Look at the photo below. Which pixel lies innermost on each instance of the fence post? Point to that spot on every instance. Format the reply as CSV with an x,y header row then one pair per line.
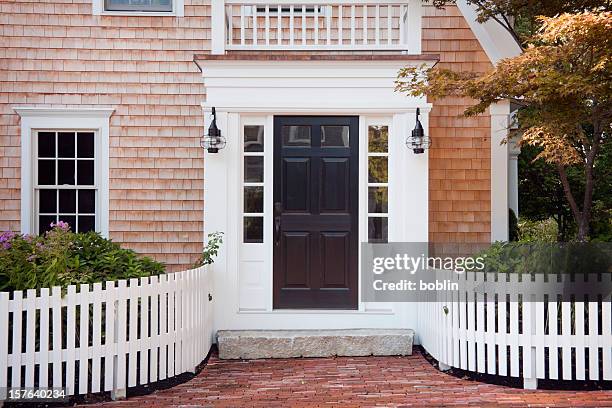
x,y
218,32
530,380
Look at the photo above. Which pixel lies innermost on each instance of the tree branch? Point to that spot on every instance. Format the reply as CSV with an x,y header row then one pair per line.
x,y
568,192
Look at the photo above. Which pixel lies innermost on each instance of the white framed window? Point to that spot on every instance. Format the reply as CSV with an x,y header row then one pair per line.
x,y
139,7
253,183
64,168
378,183
65,185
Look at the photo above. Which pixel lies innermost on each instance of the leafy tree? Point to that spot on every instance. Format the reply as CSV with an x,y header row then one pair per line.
x,y
563,85
520,17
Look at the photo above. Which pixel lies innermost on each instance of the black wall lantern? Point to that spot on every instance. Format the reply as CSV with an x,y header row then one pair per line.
x,y
213,141
418,142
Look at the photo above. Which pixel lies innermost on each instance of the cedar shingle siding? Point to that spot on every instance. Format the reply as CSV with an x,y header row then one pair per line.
x,y
56,53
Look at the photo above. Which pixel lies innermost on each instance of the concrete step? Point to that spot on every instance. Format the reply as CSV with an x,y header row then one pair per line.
x,y
253,344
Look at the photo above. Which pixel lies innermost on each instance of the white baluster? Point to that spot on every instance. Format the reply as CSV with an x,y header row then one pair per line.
x,y
340,24
402,24
377,25
328,23
291,33
279,28
365,24
230,24
389,24
316,24
353,24
303,24
242,30
267,24
254,24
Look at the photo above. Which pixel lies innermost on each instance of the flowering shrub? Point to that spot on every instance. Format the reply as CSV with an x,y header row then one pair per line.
x,y
61,257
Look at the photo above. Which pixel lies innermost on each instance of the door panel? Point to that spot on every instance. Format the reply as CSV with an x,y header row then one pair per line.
x,y
315,212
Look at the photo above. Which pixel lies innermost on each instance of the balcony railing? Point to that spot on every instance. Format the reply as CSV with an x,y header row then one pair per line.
x,y
308,25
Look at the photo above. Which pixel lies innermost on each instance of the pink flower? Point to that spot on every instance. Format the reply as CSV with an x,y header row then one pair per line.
x,y
61,225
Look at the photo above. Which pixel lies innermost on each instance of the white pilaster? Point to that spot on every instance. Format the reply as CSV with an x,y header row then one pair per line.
x,y
217,11
500,114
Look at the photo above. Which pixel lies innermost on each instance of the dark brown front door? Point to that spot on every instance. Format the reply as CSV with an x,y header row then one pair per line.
x,y
315,212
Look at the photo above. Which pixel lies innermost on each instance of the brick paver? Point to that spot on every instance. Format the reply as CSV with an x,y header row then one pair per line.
x,y
348,381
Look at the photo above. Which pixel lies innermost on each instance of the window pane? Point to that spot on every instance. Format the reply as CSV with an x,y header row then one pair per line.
x,y
46,172
138,5
253,138
87,201
44,223
253,229
46,144
296,136
378,200
253,199
65,144
67,201
70,219
47,201
65,172
87,223
85,145
335,136
377,229
85,172
378,139
253,169
378,171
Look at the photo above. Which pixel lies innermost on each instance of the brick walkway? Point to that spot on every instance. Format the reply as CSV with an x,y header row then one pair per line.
x,y
348,381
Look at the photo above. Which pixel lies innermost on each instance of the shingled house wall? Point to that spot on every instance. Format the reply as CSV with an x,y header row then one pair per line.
x,y
55,53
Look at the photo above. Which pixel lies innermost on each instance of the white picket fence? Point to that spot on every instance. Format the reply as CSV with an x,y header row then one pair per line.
x,y
106,337
508,336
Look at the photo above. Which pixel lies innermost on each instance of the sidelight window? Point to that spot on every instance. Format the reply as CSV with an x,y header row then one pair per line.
x,y
253,184
378,184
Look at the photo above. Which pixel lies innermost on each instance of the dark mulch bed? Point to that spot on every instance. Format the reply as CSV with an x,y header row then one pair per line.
x,y
513,382
106,396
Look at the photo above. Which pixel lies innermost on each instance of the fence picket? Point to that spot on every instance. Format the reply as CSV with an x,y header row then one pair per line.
x,y
553,350
592,341
96,354
83,338
4,326
43,372
110,343
145,343
133,332
56,357
30,309
121,335
163,328
71,300
154,327
566,330
606,315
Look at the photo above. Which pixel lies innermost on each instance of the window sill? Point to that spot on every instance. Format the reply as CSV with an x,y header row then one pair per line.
x,y
139,13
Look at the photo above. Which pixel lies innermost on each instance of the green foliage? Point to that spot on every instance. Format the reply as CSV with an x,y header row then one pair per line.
x,y
546,258
538,231
210,251
513,229
61,258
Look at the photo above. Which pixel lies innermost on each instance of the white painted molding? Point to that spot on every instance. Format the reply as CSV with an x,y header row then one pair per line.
x,y
31,112
494,39
500,123
33,118
178,10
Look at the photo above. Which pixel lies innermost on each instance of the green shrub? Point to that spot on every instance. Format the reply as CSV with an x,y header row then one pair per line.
x,y
61,257
215,239
538,231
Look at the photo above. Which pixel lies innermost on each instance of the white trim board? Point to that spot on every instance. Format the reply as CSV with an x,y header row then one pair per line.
x,y
178,10
33,118
496,41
